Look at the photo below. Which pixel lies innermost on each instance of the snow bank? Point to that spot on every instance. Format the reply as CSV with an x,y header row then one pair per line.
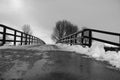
x,y
76,48
96,51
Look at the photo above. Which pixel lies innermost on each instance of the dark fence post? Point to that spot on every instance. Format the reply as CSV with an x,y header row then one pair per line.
x,y
119,41
86,41
29,39
75,39
90,36
21,38
15,37
4,36
25,39
82,39
70,41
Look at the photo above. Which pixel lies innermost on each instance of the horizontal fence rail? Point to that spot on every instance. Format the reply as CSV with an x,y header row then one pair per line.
x,y
85,37
24,39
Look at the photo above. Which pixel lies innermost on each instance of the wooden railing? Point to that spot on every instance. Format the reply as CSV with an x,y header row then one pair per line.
x,y
85,37
24,39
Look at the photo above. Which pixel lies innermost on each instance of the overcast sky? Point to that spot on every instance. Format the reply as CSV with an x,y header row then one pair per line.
x,y
43,14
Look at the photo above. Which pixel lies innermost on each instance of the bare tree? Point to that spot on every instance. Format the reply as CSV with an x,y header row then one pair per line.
x,y
26,29
63,28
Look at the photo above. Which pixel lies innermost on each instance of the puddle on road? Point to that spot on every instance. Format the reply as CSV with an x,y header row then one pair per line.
x,y
37,70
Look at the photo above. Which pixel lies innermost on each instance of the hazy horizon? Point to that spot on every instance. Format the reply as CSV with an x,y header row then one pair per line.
x,y
43,14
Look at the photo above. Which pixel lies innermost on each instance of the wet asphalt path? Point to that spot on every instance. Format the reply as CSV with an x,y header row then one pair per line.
x,y
71,66
59,65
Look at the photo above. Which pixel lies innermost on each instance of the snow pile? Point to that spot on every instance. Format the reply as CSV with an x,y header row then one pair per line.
x,y
109,45
96,51
113,58
76,48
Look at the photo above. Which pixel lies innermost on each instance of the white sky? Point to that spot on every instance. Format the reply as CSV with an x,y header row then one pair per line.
x,y
43,14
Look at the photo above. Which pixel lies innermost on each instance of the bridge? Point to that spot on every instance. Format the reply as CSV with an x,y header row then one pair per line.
x,y
85,38
18,37
35,60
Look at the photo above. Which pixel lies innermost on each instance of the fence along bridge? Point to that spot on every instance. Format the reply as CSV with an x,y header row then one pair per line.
x,y
18,37
85,37
32,64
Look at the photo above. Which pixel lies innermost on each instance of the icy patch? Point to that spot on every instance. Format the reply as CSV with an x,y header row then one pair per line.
x,y
37,69
38,53
17,71
17,47
27,56
44,48
45,56
8,56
